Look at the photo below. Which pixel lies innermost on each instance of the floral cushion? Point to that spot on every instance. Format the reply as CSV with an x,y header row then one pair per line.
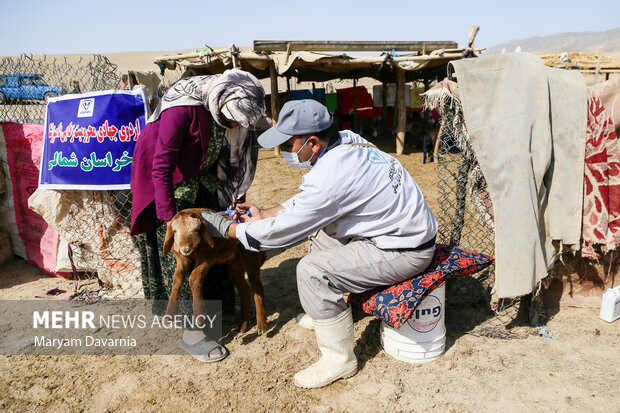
x,y
394,304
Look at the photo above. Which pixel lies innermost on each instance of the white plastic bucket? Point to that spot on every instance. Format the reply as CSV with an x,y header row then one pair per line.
x,y
423,337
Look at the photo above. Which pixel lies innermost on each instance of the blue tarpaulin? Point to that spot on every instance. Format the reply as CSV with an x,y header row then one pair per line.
x,y
319,94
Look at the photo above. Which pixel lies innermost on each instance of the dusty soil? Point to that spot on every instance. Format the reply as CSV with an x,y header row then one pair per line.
x,y
578,371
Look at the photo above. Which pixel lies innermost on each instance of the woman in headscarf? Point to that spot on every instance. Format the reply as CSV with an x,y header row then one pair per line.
x,y
198,149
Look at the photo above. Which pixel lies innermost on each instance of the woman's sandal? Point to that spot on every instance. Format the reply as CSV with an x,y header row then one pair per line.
x,y
201,350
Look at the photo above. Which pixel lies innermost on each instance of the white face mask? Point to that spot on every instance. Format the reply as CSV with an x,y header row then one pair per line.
x,y
293,160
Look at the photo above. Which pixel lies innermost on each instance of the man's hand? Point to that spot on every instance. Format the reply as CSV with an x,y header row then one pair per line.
x,y
216,223
255,213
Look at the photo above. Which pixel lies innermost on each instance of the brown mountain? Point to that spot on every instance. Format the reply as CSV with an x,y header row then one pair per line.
x,y
606,42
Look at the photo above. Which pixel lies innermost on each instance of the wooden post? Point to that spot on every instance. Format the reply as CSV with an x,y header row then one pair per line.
x,y
354,126
288,96
401,110
438,141
274,98
384,104
274,93
234,56
288,51
426,112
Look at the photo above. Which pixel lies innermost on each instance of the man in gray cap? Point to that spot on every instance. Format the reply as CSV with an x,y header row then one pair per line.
x,y
364,216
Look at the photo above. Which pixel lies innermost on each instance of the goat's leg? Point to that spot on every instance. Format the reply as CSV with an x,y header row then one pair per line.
x,y
259,296
196,280
177,282
235,272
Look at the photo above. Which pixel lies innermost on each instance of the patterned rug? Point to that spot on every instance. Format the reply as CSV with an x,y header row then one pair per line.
x,y
395,304
601,186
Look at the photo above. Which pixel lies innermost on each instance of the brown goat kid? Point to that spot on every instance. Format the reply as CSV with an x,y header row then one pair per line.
x,y
194,247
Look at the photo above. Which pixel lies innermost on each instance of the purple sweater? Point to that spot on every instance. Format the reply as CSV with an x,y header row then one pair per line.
x,y
168,151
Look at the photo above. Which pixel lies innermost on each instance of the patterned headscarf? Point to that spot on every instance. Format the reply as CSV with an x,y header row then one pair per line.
x,y
236,165
234,94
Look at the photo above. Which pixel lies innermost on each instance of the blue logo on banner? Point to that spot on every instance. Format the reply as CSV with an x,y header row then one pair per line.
x,y
375,157
89,140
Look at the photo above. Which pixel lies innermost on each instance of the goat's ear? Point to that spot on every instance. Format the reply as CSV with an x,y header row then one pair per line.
x,y
206,235
169,240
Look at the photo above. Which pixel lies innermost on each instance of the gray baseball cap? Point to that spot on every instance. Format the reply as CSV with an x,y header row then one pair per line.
x,y
297,117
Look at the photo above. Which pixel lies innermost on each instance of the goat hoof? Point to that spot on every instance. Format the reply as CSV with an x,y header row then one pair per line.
x,y
261,328
243,327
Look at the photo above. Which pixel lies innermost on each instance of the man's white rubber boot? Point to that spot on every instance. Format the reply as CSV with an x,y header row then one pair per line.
x,y
335,339
305,321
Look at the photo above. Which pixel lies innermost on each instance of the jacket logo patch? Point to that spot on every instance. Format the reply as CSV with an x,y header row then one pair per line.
x,y
375,157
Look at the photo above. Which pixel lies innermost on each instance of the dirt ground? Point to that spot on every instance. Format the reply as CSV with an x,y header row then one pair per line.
x,y
578,371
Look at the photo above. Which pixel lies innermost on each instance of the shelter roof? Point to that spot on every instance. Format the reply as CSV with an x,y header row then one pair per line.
x,y
581,60
317,66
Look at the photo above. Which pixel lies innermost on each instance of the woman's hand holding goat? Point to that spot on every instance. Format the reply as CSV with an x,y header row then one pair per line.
x,y
216,223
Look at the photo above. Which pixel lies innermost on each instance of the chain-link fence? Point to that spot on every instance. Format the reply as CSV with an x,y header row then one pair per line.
x,y
93,225
465,218
27,81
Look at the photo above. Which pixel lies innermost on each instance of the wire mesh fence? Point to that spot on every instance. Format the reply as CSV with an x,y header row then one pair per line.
x,y
93,225
27,81
94,237
458,223
465,218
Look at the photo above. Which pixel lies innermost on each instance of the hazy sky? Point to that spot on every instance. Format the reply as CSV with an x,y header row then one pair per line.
x,y
86,26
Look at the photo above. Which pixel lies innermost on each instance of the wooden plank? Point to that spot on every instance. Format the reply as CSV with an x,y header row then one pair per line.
x,y
401,126
350,46
274,93
354,105
288,97
274,99
200,56
384,104
438,141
